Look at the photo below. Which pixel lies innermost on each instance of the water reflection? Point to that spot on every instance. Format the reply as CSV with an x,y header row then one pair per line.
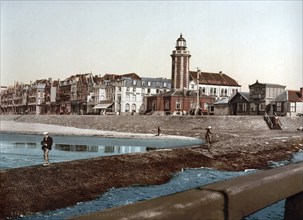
x,y
100,149
26,145
76,148
18,150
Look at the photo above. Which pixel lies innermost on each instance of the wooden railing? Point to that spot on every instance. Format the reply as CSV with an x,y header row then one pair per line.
x,y
231,199
268,121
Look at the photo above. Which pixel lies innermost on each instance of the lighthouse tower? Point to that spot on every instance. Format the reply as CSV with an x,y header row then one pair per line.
x,y
180,65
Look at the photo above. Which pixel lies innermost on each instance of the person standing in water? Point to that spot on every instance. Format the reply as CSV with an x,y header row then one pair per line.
x,y
46,143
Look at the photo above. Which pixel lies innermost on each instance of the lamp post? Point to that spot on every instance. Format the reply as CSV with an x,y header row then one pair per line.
x,y
197,107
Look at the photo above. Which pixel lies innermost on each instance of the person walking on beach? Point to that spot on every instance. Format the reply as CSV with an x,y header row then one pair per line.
x,y
159,131
46,143
208,136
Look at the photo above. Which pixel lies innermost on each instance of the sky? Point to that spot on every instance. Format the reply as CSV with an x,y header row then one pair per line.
x,y
247,40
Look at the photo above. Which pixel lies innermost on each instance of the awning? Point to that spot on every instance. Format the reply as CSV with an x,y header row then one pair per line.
x,y
103,106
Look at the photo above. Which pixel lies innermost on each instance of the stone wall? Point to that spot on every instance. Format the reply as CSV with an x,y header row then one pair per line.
x,y
149,124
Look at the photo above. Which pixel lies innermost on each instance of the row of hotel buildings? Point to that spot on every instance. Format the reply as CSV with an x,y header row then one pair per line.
x,y
111,94
187,92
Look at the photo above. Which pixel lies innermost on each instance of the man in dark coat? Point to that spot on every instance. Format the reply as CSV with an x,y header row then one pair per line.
x,y
46,143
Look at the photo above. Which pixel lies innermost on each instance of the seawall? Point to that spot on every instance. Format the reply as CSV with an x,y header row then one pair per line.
x,y
149,124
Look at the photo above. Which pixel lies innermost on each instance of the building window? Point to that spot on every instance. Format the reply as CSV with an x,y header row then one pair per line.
x,y
134,82
292,107
127,89
148,90
164,84
133,107
134,89
126,107
143,90
143,83
127,97
157,91
203,90
279,107
134,98
149,83
244,107
223,92
178,104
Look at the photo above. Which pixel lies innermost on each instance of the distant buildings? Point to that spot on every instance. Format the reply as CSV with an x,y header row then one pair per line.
x,y
267,98
188,92
83,94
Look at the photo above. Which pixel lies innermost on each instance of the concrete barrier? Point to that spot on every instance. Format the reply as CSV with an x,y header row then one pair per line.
x,y
230,199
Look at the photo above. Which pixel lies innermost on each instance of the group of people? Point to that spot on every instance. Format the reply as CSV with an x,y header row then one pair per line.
x,y
47,143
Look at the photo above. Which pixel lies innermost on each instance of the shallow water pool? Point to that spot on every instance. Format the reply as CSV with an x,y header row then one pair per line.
x,y
19,150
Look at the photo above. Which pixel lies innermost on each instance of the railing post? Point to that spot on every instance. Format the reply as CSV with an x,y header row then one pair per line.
x,y
294,207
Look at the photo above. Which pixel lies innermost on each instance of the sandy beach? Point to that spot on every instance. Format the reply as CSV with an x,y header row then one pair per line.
x,y
239,143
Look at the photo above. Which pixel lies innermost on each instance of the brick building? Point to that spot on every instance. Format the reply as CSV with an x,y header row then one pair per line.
x,y
192,91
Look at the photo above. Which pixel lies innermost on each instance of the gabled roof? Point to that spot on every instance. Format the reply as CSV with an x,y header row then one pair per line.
x,y
282,97
133,76
271,85
223,101
159,79
180,93
289,96
113,77
245,95
108,76
294,96
213,78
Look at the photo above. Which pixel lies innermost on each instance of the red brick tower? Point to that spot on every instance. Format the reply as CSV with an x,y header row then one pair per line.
x,y
180,65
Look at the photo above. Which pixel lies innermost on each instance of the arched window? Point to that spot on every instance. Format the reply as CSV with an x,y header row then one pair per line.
x,y
133,107
126,107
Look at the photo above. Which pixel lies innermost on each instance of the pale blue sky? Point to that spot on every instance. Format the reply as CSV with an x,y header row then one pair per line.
x,y
248,40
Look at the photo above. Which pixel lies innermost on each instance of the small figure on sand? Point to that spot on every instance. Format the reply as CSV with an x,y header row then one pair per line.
x,y
159,131
208,136
46,143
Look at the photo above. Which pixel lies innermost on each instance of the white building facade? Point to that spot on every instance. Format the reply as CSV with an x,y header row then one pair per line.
x,y
128,92
218,85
